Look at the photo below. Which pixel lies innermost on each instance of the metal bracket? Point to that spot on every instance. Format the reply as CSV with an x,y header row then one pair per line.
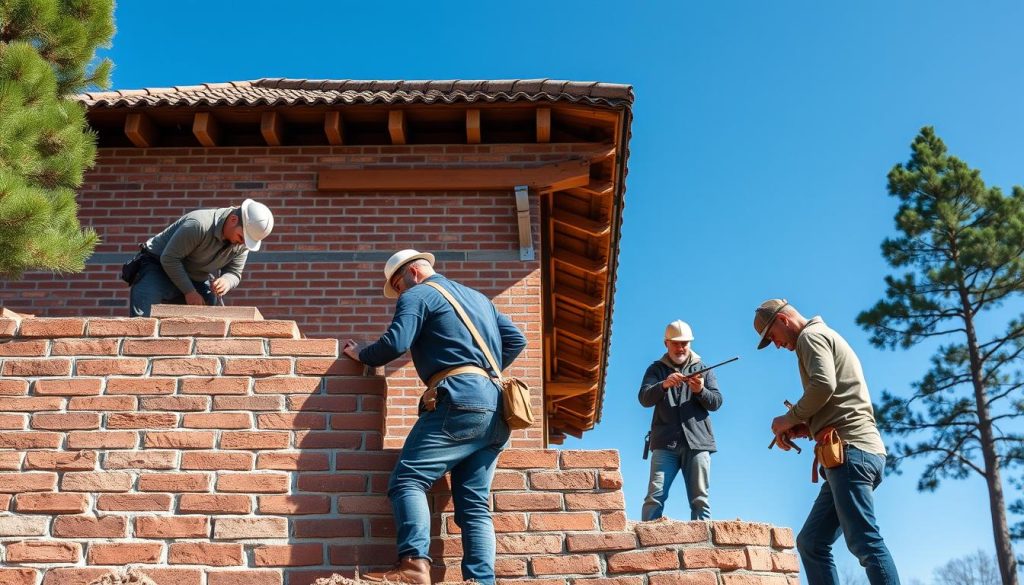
x,y
525,225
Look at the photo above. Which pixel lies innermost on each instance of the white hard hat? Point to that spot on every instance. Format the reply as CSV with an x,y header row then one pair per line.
x,y
678,331
257,223
398,260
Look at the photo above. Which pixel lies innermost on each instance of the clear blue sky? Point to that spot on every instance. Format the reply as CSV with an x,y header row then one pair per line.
x,y
763,133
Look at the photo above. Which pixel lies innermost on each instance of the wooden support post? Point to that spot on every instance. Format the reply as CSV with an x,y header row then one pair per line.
x,y
396,126
140,130
543,124
205,129
272,128
334,129
473,126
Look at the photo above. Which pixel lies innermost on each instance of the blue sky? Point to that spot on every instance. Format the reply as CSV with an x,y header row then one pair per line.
x,y
763,133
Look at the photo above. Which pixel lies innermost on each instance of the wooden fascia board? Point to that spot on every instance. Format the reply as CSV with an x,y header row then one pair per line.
x,y
555,176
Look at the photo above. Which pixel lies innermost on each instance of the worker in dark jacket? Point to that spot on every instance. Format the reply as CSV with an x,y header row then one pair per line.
x,y
681,436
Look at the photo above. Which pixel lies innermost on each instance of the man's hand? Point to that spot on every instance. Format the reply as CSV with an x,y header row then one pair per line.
x,y
674,379
194,298
781,424
696,383
351,349
220,286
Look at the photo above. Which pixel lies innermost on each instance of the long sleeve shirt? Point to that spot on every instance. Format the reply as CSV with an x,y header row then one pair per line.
x,y
426,325
679,414
194,246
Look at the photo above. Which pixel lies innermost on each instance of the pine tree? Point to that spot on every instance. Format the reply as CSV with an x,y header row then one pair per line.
x,y
47,49
961,254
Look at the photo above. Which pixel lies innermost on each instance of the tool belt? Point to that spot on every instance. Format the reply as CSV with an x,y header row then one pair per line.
x,y
829,451
428,401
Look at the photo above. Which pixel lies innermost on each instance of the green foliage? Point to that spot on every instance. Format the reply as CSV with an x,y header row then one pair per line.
x,y
47,53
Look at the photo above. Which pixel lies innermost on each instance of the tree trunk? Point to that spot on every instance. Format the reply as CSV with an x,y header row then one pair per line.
x,y
996,500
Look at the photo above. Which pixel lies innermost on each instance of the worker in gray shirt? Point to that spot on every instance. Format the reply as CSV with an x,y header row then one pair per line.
x,y
176,264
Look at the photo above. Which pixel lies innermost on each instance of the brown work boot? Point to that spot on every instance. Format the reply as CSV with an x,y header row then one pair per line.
x,y
409,570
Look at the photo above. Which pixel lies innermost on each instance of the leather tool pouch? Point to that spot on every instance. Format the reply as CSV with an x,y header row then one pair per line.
x,y
829,451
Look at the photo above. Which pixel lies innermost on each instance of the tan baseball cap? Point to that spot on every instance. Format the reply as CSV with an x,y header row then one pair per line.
x,y
678,331
764,316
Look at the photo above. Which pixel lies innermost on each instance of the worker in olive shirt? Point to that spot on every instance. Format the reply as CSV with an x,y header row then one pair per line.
x,y
178,261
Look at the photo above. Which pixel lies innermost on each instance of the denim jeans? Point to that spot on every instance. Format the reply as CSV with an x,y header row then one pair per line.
x,y
665,465
465,442
846,506
152,286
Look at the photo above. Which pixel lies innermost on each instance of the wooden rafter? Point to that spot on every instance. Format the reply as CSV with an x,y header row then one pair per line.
x,y
578,298
396,127
206,129
561,390
543,124
473,126
272,128
140,130
333,128
579,223
588,265
541,178
578,333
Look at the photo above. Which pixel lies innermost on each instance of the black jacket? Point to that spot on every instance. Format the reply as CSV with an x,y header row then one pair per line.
x,y
679,414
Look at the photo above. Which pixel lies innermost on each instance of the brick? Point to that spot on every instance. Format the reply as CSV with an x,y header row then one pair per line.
x,y
179,440
51,503
713,558
562,480
328,440
785,562
163,576
331,482
55,327
161,346
103,403
527,501
79,347
357,385
560,521
43,551
759,559
294,505
508,480
268,328
193,366
613,520
174,482
36,481
141,385
19,576
172,527
621,580
13,422
747,579
503,521
246,577
51,421
687,578
294,461
64,461
609,480
97,481
327,367
90,527
287,385
217,460
215,504
291,420
363,554
249,403
566,565
30,440
306,347
378,461
193,327
643,561
254,440
364,421
528,459
175,403
133,502
68,386
363,505
736,532
34,348
37,367
323,403
263,527
257,366
607,541
102,439
216,385
142,420
525,544
604,501
783,538
111,367
254,483
10,460
13,387
230,346
205,553
603,459
23,525
123,553
292,555
132,327
328,528
9,327
30,403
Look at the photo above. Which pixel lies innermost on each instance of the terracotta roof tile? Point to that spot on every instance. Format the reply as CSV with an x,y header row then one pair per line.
x,y
283,92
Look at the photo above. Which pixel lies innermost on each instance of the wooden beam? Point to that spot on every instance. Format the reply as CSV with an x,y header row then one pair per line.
x,y
581,262
578,333
596,188
473,126
578,223
272,128
334,129
206,129
140,130
396,126
548,177
562,390
578,362
578,298
543,124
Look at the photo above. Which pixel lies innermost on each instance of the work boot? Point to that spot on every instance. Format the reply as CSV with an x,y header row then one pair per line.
x,y
411,570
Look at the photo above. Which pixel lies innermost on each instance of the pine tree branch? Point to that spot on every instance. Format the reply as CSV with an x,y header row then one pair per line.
x,y
951,455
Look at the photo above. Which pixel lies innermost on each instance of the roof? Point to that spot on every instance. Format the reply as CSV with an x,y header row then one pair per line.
x,y
285,92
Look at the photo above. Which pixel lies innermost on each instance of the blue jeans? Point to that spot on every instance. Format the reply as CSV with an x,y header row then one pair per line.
x,y
846,506
467,443
152,286
665,465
